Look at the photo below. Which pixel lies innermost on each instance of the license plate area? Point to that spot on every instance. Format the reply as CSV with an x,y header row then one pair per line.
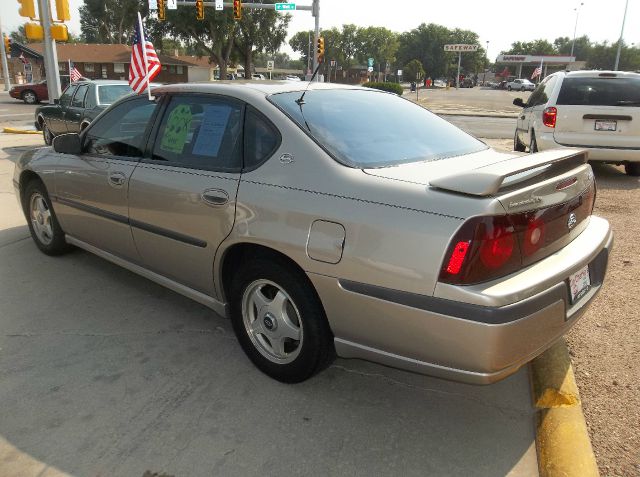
x,y
604,125
579,284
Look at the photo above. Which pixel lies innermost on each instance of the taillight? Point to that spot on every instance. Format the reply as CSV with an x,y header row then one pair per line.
x,y
549,116
488,247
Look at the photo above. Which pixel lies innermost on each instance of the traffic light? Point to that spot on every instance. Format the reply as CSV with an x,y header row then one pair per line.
x,y
7,45
59,32
161,10
27,8
320,49
237,10
33,31
199,9
62,10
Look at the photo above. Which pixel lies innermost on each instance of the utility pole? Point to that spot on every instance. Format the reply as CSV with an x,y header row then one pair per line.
x,y
575,28
5,66
624,19
486,59
315,11
50,52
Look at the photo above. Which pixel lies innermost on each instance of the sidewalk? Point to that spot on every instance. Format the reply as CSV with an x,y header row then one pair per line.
x,y
107,373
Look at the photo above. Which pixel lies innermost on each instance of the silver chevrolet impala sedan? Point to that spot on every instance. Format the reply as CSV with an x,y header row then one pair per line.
x,y
340,220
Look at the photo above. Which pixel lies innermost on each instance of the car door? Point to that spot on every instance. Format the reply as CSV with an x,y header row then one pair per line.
x,y
75,111
182,199
56,117
92,188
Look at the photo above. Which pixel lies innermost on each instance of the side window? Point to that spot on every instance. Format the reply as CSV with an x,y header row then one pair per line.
x,y
78,99
536,96
120,132
549,87
201,132
261,138
65,99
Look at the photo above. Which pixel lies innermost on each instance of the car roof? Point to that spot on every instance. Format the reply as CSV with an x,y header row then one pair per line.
x,y
244,87
601,73
101,82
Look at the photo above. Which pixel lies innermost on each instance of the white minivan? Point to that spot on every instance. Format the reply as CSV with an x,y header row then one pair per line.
x,y
594,110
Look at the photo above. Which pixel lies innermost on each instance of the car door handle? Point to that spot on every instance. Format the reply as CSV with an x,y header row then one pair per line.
x,y
215,197
117,179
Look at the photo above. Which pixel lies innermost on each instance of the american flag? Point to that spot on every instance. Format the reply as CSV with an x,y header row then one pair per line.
x,y
23,59
537,72
74,74
137,72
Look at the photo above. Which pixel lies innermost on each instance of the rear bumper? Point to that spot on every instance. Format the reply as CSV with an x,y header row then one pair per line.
x,y
601,154
464,341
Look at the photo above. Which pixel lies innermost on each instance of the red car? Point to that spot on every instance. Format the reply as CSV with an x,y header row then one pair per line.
x,y
30,93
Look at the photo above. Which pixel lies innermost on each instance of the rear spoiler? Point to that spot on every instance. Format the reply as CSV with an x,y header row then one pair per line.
x,y
488,180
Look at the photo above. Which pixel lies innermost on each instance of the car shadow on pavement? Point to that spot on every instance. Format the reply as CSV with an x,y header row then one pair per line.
x,y
613,177
106,373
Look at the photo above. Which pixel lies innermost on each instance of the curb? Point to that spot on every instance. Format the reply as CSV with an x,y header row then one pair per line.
x,y
562,441
19,131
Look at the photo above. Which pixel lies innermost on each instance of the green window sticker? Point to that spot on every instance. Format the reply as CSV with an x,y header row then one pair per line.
x,y
176,129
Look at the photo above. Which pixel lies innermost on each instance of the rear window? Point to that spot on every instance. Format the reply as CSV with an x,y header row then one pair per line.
x,y
600,92
111,93
368,129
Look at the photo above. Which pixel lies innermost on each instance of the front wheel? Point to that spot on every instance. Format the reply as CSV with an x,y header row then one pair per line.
x,y
522,89
517,144
43,224
29,97
509,88
632,169
279,320
533,144
47,134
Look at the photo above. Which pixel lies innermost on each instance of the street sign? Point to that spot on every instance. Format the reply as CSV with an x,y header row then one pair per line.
x,y
270,65
460,48
219,5
332,63
370,62
285,7
399,72
172,4
370,69
153,4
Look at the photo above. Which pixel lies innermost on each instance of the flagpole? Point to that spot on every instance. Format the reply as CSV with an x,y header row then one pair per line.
x,y
144,55
69,60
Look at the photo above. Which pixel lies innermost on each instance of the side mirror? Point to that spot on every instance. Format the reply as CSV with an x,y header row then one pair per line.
x,y
519,102
67,144
56,101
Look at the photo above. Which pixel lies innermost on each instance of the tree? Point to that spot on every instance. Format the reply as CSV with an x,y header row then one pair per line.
x,y
19,35
535,47
302,42
413,70
581,50
260,31
378,43
109,21
426,43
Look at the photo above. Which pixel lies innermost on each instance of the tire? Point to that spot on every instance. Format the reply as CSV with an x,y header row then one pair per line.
x,y
509,88
533,144
517,145
29,97
47,134
522,89
279,320
632,169
43,224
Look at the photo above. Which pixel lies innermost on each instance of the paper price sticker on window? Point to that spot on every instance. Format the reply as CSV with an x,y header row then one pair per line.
x,y
175,131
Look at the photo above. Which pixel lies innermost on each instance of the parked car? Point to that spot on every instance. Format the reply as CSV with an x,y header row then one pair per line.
x,y
30,93
595,110
467,83
500,85
292,78
521,85
320,226
78,105
257,76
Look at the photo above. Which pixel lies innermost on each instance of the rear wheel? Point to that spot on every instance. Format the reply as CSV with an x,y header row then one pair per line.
x,y
43,224
279,320
522,89
47,134
533,145
517,144
632,169
29,97
509,88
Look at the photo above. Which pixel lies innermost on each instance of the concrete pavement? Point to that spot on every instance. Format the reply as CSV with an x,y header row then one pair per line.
x,y
106,373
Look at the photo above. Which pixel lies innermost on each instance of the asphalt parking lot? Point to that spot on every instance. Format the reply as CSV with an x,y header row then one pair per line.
x,y
107,373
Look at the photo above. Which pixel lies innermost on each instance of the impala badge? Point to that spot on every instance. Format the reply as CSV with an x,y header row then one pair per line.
x,y
573,220
286,158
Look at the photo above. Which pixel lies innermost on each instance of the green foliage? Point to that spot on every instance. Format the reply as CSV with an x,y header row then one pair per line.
x,y
390,87
413,71
109,21
535,47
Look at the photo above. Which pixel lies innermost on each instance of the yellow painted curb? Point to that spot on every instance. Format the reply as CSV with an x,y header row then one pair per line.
x,y
20,131
562,440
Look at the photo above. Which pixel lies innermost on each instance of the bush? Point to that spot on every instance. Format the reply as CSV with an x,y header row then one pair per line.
x,y
390,87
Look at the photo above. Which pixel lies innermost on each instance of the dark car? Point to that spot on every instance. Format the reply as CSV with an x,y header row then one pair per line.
x,y
30,93
79,104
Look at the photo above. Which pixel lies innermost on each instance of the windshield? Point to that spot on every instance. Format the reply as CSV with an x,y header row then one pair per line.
x,y
110,93
600,91
368,129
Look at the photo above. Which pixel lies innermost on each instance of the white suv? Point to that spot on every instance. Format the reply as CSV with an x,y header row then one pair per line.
x,y
594,110
521,85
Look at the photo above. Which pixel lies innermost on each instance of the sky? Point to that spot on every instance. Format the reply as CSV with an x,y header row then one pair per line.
x,y
497,21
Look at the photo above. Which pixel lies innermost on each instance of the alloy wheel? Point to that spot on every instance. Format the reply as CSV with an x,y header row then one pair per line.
x,y
40,216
